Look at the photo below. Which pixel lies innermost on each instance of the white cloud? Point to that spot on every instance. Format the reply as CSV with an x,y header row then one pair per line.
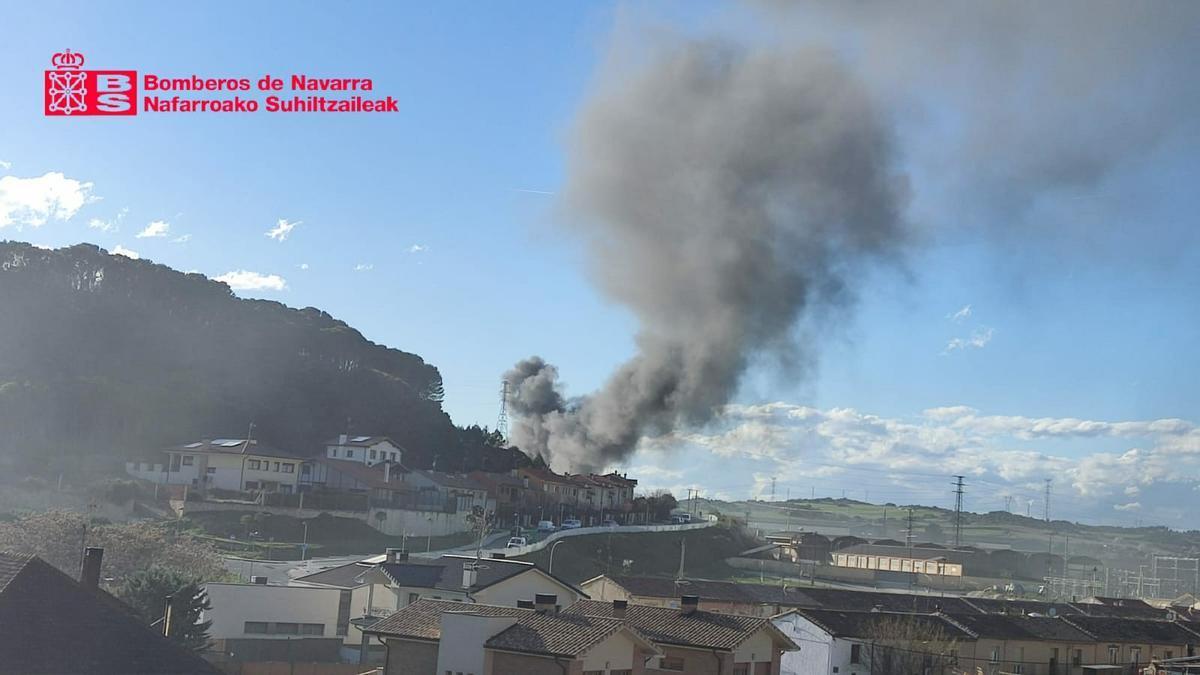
x,y
113,225
5,166
417,248
156,228
977,340
303,266
182,239
535,192
283,228
364,267
128,253
33,201
961,314
244,280
1131,506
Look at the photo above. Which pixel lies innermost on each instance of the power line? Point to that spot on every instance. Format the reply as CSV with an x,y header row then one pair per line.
x,y
958,507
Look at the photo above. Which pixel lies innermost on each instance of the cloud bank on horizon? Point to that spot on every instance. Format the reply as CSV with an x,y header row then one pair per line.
x,y
1155,477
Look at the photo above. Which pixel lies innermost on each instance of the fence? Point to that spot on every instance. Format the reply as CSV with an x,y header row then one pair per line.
x,y
628,529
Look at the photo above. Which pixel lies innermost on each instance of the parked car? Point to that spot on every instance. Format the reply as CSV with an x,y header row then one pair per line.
x,y
609,522
546,526
516,542
681,518
571,524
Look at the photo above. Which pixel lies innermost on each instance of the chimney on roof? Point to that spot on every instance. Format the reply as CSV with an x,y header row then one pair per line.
x,y
545,603
619,607
392,555
258,581
89,571
525,604
470,575
688,604
342,439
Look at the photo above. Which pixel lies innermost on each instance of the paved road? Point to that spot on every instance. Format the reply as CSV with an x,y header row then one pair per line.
x,y
280,571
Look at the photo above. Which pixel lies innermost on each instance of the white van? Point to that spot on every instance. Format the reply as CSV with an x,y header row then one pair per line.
x,y
681,518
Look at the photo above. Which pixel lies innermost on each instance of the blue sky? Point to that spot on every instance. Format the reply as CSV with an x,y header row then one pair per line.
x,y
434,230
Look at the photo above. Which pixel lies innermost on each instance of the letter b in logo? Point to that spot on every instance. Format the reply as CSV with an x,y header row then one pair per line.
x,y
114,93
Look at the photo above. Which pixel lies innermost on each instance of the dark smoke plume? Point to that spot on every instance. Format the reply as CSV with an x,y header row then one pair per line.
x,y
724,196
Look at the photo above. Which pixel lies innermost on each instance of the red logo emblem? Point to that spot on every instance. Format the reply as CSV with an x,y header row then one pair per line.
x,y
70,90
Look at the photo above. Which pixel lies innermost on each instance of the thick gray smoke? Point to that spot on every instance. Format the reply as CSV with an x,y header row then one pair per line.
x,y
724,196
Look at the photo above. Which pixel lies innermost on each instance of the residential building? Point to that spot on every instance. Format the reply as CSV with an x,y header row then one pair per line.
x,y
554,491
383,584
383,482
459,489
242,465
261,622
51,623
367,450
432,636
515,501
696,641
618,489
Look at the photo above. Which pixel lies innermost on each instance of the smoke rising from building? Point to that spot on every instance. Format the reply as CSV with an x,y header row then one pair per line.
x,y
726,196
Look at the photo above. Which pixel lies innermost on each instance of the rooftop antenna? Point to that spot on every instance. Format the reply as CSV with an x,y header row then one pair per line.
x,y
502,418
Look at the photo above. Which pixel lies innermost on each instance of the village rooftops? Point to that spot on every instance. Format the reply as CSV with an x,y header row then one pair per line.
x,y
444,573
55,624
532,632
1009,627
698,628
1146,631
454,481
359,441
375,475
232,446
878,625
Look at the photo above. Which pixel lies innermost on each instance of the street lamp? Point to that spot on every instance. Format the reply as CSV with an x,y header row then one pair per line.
x,y
552,547
304,546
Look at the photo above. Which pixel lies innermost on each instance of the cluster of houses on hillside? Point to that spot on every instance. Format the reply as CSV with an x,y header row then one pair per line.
x,y
367,476
490,616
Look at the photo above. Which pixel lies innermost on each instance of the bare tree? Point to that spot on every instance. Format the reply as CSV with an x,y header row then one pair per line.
x,y
910,644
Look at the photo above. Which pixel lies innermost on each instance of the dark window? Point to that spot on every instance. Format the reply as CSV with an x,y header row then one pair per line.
x,y
374,454
187,460
305,469
349,453
855,653
289,468
1077,658
312,629
252,464
287,628
255,627
251,485
277,466
672,663
211,470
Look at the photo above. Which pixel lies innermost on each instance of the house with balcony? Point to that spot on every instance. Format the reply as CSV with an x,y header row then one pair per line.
x,y
235,464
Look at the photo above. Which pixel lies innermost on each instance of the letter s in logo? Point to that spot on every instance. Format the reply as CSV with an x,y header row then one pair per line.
x,y
114,92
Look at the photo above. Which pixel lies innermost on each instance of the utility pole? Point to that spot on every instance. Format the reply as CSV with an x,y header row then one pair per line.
x,y
908,534
772,488
1046,509
502,419
958,505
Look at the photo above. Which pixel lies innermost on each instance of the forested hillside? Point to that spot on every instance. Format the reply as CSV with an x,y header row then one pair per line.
x,y
103,357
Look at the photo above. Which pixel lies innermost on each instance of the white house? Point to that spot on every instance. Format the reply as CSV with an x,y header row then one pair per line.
x,y
365,449
258,622
226,464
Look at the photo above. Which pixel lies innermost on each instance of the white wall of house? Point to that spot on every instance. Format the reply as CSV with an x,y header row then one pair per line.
x,y
233,605
755,649
819,651
461,648
368,455
525,586
615,653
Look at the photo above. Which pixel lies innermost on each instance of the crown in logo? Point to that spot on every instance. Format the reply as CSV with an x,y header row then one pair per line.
x,y
67,60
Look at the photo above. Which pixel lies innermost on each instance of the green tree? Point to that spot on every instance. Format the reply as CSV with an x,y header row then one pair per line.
x,y
147,592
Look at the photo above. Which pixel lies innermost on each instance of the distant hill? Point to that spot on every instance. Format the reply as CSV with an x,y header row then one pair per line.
x,y
103,357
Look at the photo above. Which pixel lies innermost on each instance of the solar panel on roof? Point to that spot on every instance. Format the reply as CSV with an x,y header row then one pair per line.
x,y
231,444
193,445
360,439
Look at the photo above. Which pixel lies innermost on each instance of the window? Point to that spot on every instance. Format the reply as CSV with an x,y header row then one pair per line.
x,y
333,452
741,669
1114,655
1135,655
255,627
210,470
187,460
251,485
312,629
1169,654
1077,658
253,464
855,653
671,663
289,468
393,456
349,453
277,466
286,628
995,655
413,597
305,469
374,455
